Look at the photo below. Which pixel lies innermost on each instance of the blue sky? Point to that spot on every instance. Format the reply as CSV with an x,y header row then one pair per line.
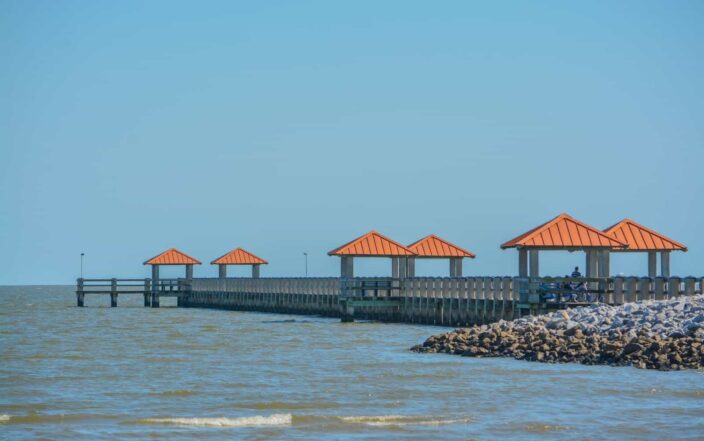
x,y
130,127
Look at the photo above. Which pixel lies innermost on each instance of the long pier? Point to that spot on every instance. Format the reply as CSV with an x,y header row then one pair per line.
x,y
452,301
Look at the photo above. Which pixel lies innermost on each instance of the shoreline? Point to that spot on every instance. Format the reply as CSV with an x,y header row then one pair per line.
x,y
664,335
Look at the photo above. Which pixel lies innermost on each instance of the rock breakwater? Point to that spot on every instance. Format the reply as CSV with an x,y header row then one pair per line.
x,y
665,335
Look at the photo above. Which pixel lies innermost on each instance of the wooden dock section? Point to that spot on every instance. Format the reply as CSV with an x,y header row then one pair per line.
x,y
451,301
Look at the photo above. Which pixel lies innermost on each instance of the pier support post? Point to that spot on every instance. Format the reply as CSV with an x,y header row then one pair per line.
x,y
346,311
80,296
402,267
222,271
113,293
665,263
147,292
155,286
255,271
394,267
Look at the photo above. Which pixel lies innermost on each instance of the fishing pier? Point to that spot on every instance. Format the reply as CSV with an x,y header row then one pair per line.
x,y
454,301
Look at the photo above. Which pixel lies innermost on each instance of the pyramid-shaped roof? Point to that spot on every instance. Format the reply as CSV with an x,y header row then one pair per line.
x,y
641,238
564,232
372,244
434,246
239,256
172,256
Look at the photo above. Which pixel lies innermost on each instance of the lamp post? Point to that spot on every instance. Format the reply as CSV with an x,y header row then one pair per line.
x,y
82,254
306,258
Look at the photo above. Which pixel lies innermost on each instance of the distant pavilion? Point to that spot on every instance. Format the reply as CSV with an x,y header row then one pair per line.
x,y
238,256
641,239
373,244
434,247
564,233
171,257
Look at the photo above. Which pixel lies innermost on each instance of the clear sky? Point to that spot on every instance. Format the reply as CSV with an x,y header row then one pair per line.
x,y
130,127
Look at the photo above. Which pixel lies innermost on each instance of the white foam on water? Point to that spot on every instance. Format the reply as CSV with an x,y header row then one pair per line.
x,y
283,419
4,418
403,420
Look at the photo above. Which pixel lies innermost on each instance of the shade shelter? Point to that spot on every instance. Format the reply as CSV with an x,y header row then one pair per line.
x,y
641,239
238,256
172,256
434,247
372,244
564,233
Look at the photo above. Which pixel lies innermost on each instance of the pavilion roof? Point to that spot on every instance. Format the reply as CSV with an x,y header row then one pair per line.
x,y
239,256
370,245
172,256
641,238
564,232
434,246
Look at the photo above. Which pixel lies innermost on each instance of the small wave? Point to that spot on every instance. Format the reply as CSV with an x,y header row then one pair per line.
x,y
283,419
544,428
402,420
177,393
4,418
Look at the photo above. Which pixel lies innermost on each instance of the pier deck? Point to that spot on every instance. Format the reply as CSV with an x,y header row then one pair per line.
x,y
452,301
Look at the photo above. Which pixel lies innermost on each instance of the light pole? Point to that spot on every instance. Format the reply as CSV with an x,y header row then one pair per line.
x,y
306,257
82,254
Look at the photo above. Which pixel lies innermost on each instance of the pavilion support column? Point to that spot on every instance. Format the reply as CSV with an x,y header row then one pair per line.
x,y
665,263
522,262
155,286
411,267
394,267
455,267
347,267
652,264
402,267
534,263
189,272
222,271
592,267
255,271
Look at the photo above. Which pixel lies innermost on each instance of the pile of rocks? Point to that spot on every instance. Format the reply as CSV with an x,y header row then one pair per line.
x,y
665,335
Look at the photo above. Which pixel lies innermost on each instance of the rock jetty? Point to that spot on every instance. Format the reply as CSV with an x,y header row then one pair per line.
x,y
664,335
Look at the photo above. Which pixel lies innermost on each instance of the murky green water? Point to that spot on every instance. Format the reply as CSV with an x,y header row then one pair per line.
x,y
136,373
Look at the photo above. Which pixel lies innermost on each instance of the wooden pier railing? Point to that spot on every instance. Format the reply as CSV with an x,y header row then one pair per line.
x,y
114,287
434,300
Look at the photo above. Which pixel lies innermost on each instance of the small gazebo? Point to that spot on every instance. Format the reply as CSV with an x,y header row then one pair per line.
x,y
434,247
170,257
372,244
564,233
641,239
238,256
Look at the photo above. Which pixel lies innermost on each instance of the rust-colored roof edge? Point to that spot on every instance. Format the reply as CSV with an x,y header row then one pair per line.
x,y
195,261
263,261
610,229
513,243
371,232
469,254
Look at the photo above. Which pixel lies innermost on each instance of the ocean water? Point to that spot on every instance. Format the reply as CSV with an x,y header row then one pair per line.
x,y
138,373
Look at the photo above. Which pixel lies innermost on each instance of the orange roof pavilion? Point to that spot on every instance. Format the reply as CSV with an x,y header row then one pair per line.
x,y
643,239
434,247
172,256
372,244
238,256
565,233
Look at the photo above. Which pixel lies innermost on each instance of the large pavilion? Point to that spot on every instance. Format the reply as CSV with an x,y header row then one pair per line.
x,y
238,256
434,247
641,239
372,244
172,257
564,233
